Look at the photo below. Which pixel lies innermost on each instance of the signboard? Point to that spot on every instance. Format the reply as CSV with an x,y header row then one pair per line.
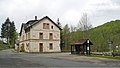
x,y
110,42
87,41
116,46
87,48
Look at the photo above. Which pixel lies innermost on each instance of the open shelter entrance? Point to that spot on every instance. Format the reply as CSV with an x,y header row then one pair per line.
x,y
81,47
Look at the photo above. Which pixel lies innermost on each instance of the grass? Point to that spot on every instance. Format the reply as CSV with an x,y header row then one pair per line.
x,y
108,57
4,46
45,52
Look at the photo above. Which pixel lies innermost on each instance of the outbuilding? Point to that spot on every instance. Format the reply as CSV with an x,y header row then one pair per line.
x,y
81,46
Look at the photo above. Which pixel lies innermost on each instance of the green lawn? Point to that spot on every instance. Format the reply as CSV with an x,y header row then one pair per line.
x,y
45,52
108,57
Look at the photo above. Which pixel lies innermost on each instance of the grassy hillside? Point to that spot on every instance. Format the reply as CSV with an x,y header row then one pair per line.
x,y
102,34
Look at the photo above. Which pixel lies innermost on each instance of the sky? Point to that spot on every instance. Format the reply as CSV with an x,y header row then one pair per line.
x,y
68,11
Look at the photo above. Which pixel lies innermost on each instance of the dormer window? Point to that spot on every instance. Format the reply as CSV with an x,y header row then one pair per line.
x,y
45,25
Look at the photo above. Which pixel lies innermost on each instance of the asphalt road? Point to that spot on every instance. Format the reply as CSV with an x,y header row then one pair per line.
x,y
11,59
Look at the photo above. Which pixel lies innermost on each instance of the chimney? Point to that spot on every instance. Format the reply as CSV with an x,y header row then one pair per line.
x,y
58,23
35,17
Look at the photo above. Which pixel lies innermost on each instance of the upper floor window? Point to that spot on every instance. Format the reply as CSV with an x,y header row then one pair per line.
x,y
28,35
51,27
50,35
23,37
41,35
51,46
45,25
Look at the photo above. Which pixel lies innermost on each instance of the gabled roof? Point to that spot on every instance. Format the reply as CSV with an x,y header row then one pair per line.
x,y
23,25
82,42
46,17
31,23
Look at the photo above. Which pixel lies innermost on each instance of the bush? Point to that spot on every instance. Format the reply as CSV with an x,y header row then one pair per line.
x,y
4,46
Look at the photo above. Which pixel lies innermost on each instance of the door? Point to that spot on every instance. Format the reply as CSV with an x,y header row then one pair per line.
x,y
41,47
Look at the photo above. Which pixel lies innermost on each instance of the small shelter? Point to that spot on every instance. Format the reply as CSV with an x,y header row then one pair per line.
x,y
81,47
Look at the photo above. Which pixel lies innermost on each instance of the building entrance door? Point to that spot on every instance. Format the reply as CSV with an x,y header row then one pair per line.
x,y
41,47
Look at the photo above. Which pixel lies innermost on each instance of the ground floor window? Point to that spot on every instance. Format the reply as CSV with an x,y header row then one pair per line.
x,y
41,47
51,46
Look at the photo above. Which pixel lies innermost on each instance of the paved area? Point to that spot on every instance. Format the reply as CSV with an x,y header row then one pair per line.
x,y
102,61
11,59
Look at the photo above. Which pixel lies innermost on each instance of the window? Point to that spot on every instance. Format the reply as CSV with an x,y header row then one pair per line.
x,y
51,46
41,35
23,37
41,47
51,27
41,43
28,35
51,36
45,25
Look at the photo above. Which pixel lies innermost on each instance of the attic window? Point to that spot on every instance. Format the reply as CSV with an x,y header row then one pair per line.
x,y
45,25
51,27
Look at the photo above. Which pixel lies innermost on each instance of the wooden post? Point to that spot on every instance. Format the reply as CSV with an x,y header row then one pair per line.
x,y
83,50
71,50
89,49
86,50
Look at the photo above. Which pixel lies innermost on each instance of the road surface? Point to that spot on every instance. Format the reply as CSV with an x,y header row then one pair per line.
x,y
11,59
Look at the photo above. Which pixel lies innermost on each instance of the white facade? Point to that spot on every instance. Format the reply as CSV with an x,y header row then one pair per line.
x,y
33,43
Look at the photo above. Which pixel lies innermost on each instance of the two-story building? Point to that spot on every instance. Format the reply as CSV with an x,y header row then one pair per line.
x,y
40,36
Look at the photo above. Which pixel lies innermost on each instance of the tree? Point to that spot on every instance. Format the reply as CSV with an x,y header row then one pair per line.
x,y
66,37
13,33
5,30
75,34
72,28
84,25
8,31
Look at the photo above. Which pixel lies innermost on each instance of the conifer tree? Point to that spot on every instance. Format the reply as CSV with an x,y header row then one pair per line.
x,y
5,30
66,37
8,31
13,34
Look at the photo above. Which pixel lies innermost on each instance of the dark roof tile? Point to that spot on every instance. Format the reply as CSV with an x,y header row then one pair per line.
x,y
81,42
30,23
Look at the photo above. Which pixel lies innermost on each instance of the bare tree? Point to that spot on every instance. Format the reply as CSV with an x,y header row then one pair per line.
x,y
72,28
84,25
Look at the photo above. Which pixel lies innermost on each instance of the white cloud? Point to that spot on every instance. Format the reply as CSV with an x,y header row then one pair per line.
x,y
69,11
72,16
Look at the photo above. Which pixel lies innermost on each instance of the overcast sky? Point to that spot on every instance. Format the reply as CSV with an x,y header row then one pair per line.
x,y
68,11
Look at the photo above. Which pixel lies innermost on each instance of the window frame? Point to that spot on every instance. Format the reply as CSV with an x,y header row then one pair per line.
x,y
51,46
46,26
51,27
50,35
40,35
